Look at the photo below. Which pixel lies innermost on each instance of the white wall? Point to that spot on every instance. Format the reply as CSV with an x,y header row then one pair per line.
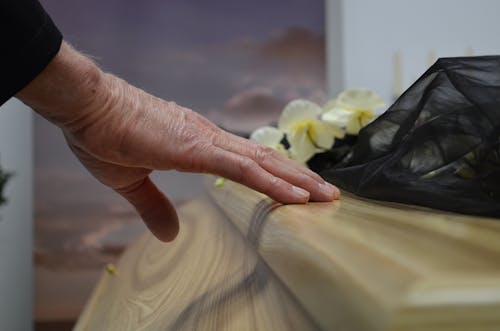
x,y
372,31
16,266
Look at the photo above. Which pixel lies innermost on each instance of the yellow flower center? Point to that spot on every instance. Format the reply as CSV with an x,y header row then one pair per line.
x,y
303,126
309,128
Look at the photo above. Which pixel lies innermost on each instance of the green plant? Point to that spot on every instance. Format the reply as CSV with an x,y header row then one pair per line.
x,y
4,177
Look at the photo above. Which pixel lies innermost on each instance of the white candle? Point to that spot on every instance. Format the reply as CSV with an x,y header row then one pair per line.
x,y
397,85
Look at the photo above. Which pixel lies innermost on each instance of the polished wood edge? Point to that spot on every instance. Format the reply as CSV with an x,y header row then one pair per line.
x,y
277,233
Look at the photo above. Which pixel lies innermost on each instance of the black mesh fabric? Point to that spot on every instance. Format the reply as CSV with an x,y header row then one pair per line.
x,y
438,145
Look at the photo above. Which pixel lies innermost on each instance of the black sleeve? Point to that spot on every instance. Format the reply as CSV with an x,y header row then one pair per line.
x,y
29,41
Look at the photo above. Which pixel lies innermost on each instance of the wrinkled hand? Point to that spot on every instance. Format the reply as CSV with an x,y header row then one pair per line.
x,y
121,134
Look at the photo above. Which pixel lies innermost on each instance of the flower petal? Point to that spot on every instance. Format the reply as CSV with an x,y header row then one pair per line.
x,y
323,135
339,117
297,112
329,105
282,150
336,131
301,145
367,118
360,99
354,126
267,136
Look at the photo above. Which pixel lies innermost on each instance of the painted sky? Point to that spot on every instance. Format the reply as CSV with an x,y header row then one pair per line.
x,y
237,62
185,50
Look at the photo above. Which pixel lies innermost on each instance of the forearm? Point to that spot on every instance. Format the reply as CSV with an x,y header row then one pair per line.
x,y
65,90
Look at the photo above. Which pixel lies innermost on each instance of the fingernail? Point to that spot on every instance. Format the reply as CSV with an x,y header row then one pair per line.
x,y
329,189
337,193
300,193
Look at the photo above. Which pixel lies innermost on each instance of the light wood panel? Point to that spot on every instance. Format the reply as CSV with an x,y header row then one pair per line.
x,y
356,264
209,278
243,262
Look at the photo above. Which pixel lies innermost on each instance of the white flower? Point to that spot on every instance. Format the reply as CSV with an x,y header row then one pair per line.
x,y
352,110
305,133
270,137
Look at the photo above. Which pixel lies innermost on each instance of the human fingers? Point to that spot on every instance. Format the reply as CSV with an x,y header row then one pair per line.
x,y
235,141
155,208
280,166
246,171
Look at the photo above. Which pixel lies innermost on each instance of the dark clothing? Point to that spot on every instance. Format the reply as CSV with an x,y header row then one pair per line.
x,y
29,41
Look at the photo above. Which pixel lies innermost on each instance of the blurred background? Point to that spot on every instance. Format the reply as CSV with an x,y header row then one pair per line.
x,y
236,62
385,45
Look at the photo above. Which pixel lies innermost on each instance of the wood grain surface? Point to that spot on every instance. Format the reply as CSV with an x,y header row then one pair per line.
x,y
356,264
209,278
244,262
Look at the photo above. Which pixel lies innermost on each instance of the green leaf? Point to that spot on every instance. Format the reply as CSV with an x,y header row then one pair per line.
x,y
4,178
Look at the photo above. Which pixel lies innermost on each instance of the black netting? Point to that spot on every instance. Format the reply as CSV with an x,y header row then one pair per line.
x,y
438,145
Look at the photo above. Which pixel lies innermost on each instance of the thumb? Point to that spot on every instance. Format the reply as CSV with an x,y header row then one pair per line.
x,y
155,208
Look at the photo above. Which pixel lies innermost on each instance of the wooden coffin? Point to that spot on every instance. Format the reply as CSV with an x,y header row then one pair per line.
x,y
244,262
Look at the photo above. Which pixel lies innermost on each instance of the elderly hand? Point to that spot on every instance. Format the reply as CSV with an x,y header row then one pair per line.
x,y
121,134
